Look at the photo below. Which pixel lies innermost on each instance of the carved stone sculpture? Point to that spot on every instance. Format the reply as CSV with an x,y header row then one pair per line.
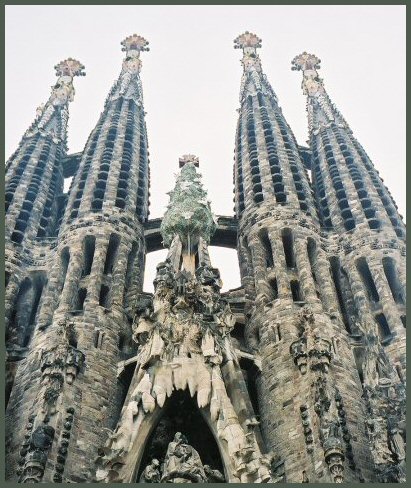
x,y
151,473
182,463
40,442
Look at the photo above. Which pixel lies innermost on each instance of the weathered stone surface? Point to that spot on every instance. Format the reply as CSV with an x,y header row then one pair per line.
x,y
296,376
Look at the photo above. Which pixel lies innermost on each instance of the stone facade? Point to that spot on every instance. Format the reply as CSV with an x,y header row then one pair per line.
x,y
296,376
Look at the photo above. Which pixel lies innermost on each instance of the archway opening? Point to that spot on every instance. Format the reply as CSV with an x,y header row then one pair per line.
x,y
181,414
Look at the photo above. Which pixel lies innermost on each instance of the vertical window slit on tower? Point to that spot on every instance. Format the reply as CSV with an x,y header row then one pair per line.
x,y
111,255
274,288
268,251
390,271
312,257
65,259
278,327
367,279
81,297
288,246
38,286
383,327
131,265
336,275
89,249
296,291
61,205
104,296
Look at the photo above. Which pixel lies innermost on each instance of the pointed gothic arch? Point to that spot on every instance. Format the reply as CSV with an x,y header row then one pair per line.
x,y
181,414
138,454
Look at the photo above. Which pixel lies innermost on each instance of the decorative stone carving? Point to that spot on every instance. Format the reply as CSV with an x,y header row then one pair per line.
x,y
151,473
182,463
308,432
344,428
35,462
298,350
63,445
184,340
59,363
61,95
310,347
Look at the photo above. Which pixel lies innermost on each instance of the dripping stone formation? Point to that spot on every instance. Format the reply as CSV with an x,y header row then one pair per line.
x,y
297,376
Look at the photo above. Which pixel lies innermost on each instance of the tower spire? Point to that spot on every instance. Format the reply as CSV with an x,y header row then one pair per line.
x,y
356,194
129,85
321,111
268,165
249,43
51,117
253,79
122,132
188,217
36,162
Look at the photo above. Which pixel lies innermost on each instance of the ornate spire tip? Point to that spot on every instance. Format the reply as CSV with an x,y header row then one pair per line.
x,y
248,39
188,158
70,67
305,62
135,43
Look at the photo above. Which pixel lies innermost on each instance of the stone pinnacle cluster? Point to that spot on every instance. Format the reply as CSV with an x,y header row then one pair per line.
x,y
297,376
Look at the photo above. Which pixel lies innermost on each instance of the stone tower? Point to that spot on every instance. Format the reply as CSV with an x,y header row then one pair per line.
x,y
296,376
67,389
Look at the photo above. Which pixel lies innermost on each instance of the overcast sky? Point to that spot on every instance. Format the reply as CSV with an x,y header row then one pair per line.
x,y
191,79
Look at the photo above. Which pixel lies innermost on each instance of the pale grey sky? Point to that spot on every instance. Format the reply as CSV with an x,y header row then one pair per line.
x,y
191,79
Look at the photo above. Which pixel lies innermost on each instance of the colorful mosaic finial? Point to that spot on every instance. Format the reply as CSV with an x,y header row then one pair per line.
x,y
135,43
249,43
70,67
247,39
305,62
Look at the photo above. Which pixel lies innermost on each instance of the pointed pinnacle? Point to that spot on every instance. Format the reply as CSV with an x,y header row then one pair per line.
x,y
247,39
69,67
305,62
135,43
